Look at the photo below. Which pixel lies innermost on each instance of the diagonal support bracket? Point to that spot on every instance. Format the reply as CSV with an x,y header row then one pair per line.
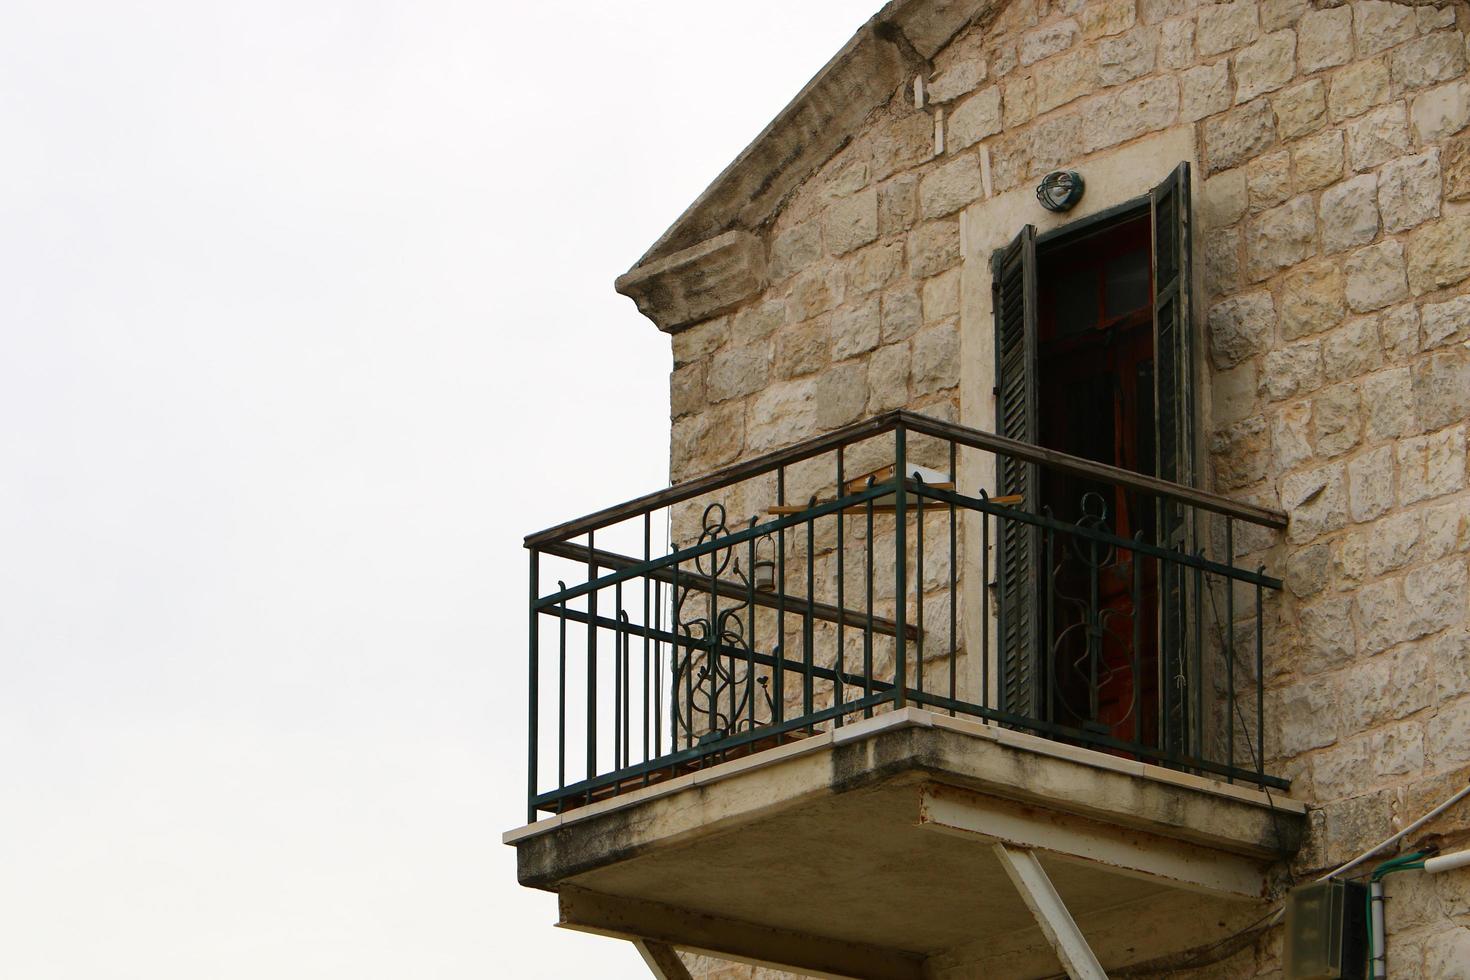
x,y
662,961
1041,897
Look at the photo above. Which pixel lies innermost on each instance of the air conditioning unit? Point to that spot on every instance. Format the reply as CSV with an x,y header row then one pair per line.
x,y
1327,931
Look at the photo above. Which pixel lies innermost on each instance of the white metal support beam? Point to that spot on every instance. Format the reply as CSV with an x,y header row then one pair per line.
x,y
1041,897
662,961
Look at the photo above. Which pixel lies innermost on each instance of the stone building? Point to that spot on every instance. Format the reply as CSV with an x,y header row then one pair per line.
x,y
1262,294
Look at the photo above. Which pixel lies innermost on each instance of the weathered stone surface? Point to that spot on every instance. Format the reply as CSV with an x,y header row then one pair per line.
x,y
1349,213
1018,101
1325,38
700,340
1446,323
1268,180
958,79
1204,91
1234,137
1357,88
686,389
702,441
1233,393
1439,254
813,292
1408,191
738,371
1300,109
1281,237
1381,24
898,204
1047,41
1142,107
1351,350
948,188
902,314
1431,466
1455,162
1425,60
1240,328
1292,370
1370,485
1176,42
1054,142
794,249
1389,399
1327,638
1441,111
1241,453
1223,199
1126,57
941,296
1337,420
935,360
934,247
874,267
1442,388
783,413
888,378
1375,277
1315,501
1306,716
1222,261
1392,542
1318,161
855,331
1398,328
1276,14
852,222
974,119
803,349
1291,435
1265,66
842,395
1436,596
1106,18
1311,300
756,321
1226,25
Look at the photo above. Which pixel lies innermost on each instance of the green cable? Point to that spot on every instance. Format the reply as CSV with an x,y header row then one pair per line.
x,y
1404,862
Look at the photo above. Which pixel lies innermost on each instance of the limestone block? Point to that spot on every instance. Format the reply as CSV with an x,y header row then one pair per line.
x,y
1065,78
1352,350
1440,112
803,349
1143,107
888,378
941,296
1455,162
946,189
1291,435
1265,66
1292,370
1223,199
1357,88
1055,142
1233,393
1387,688
1240,328
1378,137
1018,101
1439,254
1398,329
1389,400
1381,24
1446,323
1375,277
1300,109
1425,60
1393,540
1305,716
701,340
874,267
1269,180
935,359
783,413
975,118
1153,11
757,321
1446,531
934,247
1241,453
856,330
1311,300
1436,596
1047,41
1176,42
1442,388
1349,213
1325,38
1370,487
1222,261
959,78
794,249
1431,466
1225,26
686,389
1281,237
902,314
1204,91
1435,18
898,204
849,178
1315,501
1307,569
1337,420
842,394
1318,160
852,222
1447,954
1409,191
1126,57
1448,734
702,441
1379,609
1276,14
1326,634
1234,137
738,371
1106,18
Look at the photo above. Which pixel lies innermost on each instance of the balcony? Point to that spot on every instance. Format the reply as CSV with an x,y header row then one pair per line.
x,y
773,710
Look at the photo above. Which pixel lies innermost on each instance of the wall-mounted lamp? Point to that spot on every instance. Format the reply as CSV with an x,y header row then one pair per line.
x,y
764,571
1060,190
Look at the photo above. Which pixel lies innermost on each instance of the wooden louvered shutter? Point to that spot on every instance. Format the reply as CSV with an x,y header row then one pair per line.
x,y
1174,439
1013,281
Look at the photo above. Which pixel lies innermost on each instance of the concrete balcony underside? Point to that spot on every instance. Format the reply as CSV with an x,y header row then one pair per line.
x,y
872,852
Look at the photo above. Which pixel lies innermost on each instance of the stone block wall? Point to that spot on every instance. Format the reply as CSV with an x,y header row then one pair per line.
x,y
1332,225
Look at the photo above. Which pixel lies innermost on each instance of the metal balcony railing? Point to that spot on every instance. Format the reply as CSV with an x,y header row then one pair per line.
x,y
880,566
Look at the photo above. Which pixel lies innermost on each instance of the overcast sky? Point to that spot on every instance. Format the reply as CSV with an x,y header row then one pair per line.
x,y
308,318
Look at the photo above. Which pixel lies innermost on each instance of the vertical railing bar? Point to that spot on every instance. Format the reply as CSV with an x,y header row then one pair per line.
x,y
712,658
1230,648
900,566
533,713
591,659
778,675
868,627
658,668
1199,657
1260,685
954,562
919,587
1048,642
808,636
618,665
987,599
1094,632
1137,599
750,683
561,692
647,555
841,654
1002,638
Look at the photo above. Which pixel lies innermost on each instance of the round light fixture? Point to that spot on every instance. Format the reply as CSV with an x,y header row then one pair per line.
x,y
1060,190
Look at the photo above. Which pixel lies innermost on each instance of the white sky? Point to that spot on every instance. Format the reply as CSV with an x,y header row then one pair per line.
x,y
307,319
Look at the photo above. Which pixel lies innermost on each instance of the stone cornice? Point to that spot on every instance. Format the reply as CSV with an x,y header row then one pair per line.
x,y
699,282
